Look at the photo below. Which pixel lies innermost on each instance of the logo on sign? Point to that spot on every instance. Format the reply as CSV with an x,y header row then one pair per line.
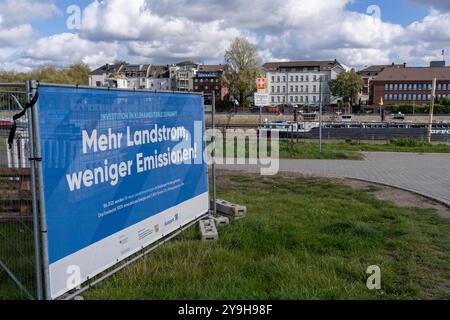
x,y
174,219
261,83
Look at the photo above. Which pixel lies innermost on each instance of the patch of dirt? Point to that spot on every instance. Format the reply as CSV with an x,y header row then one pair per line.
x,y
401,198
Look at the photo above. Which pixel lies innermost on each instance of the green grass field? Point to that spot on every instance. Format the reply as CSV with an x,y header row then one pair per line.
x,y
304,238
351,150
345,150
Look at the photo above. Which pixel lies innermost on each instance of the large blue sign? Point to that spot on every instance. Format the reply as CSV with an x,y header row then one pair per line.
x,y
121,169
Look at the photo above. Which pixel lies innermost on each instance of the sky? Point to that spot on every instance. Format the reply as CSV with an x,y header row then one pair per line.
x,y
357,33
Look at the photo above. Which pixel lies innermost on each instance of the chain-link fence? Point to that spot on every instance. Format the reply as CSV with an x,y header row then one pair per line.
x,y
17,228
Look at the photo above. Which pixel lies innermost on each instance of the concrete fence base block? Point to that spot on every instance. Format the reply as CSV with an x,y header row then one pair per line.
x,y
221,221
208,230
233,218
230,209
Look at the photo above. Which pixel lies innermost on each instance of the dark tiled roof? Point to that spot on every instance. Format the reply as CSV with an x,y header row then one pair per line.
x,y
159,71
107,68
380,68
211,68
323,65
414,74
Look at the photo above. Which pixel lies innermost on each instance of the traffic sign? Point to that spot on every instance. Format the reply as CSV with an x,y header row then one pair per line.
x,y
262,99
261,83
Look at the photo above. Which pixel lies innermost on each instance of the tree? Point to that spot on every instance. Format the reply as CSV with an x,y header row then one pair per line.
x,y
241,70
75,74
347,85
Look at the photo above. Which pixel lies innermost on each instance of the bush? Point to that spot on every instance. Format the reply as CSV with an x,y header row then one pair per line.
x,y
409,143
439,108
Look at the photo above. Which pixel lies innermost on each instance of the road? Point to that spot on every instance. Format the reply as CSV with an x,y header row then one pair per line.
x,y
425,174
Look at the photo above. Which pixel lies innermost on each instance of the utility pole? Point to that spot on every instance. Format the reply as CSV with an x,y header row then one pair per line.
x,y
430,121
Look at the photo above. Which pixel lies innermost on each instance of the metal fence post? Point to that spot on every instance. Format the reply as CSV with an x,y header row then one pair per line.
x,y
214,152
37,250
40,184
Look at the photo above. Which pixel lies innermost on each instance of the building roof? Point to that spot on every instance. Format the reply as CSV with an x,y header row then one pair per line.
x,y
380,68
211,68
323,65
414,74
106,69
159,71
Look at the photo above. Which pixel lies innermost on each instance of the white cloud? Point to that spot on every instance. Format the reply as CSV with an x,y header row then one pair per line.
x,y
163,31
17,12
68,48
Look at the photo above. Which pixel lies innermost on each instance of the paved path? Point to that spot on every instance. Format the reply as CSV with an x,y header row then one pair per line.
x,y
426,174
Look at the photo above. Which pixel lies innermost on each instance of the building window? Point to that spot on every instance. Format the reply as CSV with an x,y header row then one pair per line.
x,y
273,89
292,88
395,87
98,83
391,87
296,78
400,86
386,87
273,80
296,88
390,96
273,99
386,96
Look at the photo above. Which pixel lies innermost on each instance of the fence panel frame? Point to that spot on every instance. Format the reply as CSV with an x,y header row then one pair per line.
x,y
27,91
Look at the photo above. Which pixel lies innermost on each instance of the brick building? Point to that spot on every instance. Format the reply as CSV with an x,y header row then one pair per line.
x,y
208,79
411,85
368,75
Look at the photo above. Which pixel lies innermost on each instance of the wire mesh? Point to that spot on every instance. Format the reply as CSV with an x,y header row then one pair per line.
x,y
17,255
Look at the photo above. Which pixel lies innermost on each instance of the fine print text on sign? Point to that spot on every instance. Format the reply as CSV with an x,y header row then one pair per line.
x,y
261,99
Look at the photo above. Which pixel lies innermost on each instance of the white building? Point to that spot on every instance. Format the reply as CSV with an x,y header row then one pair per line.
x,y
127,76
159,79
102,76
300,82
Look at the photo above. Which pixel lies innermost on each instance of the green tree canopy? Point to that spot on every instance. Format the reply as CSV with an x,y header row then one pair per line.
x,y
241,70
347,85
75,74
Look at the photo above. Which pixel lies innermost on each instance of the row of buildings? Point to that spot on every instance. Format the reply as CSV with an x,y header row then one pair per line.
x,y
303,83
184,76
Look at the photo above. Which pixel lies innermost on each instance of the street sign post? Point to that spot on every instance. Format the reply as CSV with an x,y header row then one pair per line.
x,y
261,99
